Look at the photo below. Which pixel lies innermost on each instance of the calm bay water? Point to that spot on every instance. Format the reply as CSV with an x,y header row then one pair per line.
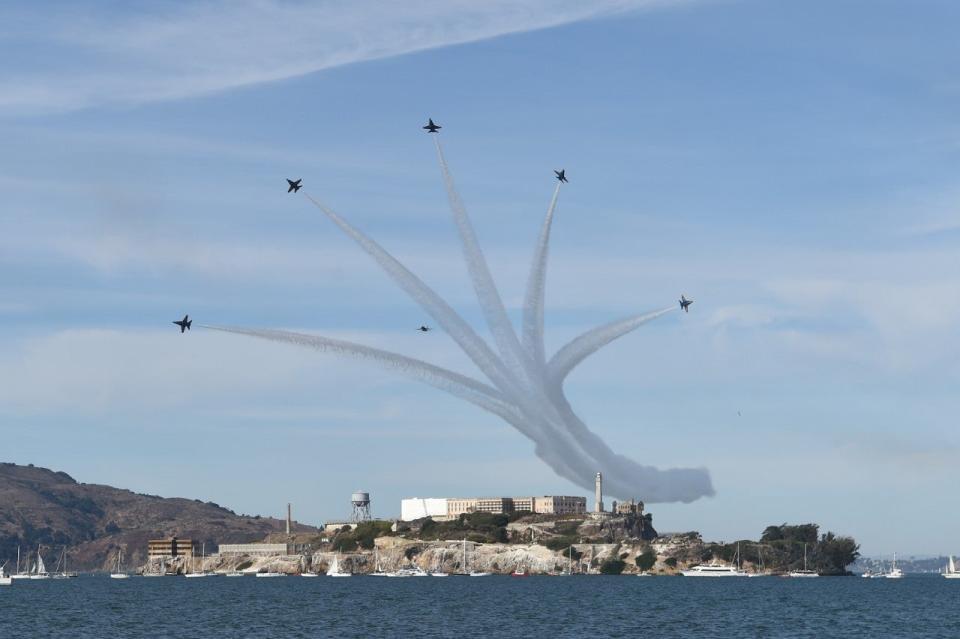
x,y
95,606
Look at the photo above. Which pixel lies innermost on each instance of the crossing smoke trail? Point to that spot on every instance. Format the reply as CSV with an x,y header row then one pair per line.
x,y
527,391
536,286
483,284
581,347
454,383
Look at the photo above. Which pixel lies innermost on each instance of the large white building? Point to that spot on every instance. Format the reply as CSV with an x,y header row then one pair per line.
x,y
452,507
419,507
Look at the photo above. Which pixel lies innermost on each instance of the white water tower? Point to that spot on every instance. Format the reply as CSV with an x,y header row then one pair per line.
x,y
360,500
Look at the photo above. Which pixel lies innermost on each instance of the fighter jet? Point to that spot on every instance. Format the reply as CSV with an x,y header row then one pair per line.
x,y
294,185
431,127
685,303
424,329
561,175
184,324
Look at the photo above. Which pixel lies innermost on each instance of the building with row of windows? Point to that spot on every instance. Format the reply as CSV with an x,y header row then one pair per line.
x,y
452,507
170,547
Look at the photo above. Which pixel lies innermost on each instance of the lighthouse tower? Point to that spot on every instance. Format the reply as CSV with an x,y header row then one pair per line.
x,y
599,486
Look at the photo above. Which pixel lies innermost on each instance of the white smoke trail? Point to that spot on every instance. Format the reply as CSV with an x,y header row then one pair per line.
x,y
483,284
452,382
529,393
584,345
536,285
433,304
623,476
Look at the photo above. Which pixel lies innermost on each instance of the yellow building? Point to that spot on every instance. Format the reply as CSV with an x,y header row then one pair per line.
x,y
172,547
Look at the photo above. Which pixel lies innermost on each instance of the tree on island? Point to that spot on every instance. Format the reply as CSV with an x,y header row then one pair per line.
x,y
646,560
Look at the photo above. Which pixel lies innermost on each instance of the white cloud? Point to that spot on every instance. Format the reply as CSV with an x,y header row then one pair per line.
x,y
179,50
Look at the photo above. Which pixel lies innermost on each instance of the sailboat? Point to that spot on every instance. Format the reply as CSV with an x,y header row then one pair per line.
x,y
569,571
40,571
440,573
377,568
894,573
804,572
334,569
118,572
950,572
20,574
202,573
472,573
306,573
60,570
761,572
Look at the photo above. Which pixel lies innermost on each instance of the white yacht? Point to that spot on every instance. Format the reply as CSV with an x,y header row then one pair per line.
x,y
713,569
271,574
805,572
951,570
118,572
716,569
4,579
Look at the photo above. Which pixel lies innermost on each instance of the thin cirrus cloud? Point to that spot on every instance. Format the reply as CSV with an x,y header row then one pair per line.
x,y
92,55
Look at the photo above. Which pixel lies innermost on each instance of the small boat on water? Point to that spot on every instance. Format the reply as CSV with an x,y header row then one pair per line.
x,y
39,570
202,573
713,569
414,571
761,571
233,573
334,569
950,572
60,570
520,572
716,569
805,572
5,580
894,572
118,571
271,574
479,573
20,574
377,568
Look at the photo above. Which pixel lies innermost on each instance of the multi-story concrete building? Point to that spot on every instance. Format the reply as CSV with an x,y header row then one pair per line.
x,y
417,508
171,547
560,505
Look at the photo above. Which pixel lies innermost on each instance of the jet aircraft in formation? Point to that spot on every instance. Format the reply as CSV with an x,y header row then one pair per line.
x,y
431,127
685,304
561,175
424,329
294,185
184,324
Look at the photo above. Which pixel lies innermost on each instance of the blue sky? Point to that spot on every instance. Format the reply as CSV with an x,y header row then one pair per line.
x,y
791,166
